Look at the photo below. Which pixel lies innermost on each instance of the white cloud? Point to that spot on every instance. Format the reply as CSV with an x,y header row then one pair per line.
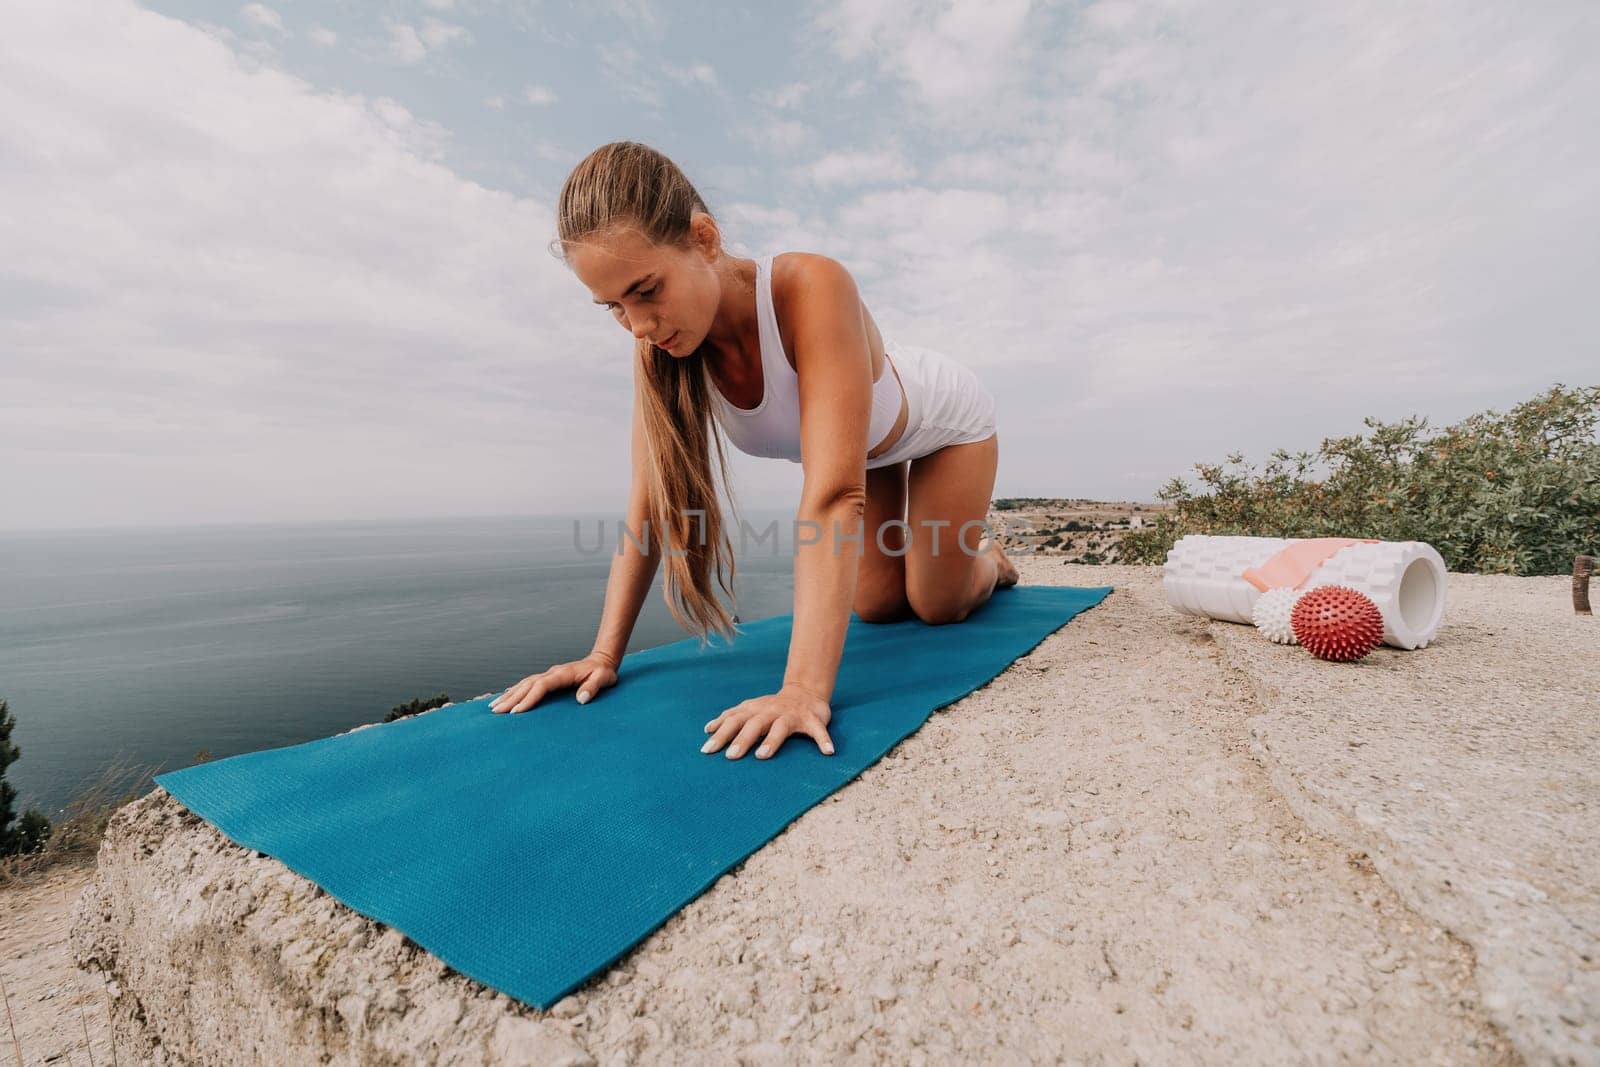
x,y
268,302
323,37
262,16
405,43
411,44
1111,15
693,74
780,136
639,16
550,150
955,55
437,34
252,51
859,28
968,51
628,74
427,139
755,229
786,97
539,95
495,103
1348,210
861,168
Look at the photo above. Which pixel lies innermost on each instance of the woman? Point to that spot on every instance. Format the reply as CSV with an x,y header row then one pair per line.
x,y
897,443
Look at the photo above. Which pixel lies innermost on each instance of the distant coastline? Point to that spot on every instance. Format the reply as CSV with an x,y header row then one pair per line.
x,y
1075,529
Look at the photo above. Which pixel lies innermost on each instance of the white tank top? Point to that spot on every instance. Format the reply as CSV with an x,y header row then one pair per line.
x,y
772,427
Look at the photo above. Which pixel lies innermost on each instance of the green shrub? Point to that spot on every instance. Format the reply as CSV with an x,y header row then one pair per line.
x,y
33,829
415,706
1517,493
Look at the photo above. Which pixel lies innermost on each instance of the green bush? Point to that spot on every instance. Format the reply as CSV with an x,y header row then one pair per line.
x,y
33,829
1517,493
415,706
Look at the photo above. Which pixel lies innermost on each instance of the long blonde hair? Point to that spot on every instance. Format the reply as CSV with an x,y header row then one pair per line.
x,y
625,186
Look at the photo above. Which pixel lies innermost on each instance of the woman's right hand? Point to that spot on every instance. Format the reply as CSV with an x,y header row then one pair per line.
x,y
592,673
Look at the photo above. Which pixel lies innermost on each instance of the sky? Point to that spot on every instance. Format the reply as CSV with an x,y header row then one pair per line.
x,y
290,260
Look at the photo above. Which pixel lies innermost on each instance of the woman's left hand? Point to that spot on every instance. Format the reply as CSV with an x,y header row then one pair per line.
x,y
777,715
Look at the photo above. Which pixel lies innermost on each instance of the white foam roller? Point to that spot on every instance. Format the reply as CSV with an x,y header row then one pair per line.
x,y
1204,575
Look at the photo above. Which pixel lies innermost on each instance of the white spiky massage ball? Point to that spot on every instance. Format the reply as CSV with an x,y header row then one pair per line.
x,y
1271,615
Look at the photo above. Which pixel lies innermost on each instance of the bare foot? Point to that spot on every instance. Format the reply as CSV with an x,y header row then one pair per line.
x,y
1008,571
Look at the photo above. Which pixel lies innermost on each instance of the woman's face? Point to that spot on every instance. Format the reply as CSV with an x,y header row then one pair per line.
x,y
657,294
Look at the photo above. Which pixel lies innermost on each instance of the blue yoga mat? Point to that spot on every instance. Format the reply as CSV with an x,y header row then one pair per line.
x,y
529,851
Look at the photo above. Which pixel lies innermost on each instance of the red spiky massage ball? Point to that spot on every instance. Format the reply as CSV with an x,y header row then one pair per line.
x,y
1335,622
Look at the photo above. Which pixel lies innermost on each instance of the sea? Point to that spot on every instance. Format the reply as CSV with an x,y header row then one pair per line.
x,y
144,648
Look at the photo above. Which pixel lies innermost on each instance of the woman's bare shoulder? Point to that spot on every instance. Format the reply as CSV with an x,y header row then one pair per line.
x,y
793,274
790,268
796,274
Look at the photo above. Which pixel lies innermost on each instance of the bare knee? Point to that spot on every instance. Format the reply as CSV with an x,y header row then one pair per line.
x,y
940,613
883,610
881,590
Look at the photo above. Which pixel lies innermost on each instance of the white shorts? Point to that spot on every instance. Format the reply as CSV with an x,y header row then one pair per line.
x,y
945,404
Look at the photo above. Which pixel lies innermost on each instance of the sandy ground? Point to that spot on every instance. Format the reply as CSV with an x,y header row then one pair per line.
x,y
52,1004
1154,838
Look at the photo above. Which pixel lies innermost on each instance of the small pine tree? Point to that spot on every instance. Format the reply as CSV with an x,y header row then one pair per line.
x,y
31,833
